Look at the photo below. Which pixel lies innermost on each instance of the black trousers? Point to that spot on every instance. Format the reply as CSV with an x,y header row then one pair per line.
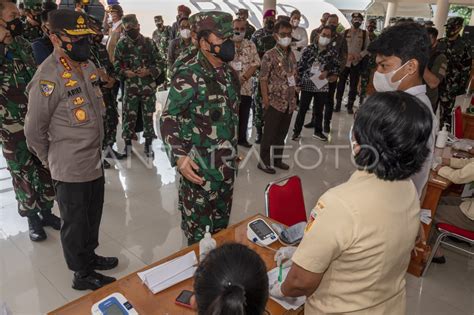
x,y
244,112
320,102
80,206
353,73
274,133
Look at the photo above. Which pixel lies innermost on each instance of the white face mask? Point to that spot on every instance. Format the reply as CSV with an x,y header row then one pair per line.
x,y
284,42
383,81
295,23
324,41
238,36
185,33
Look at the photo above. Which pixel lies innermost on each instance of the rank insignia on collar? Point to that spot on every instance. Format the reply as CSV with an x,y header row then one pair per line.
x,y
78,101
80,114
47,87
71,83
93,77
66,75
65,64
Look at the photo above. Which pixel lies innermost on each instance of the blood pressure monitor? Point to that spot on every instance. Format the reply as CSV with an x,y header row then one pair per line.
x,y
258,231
114,304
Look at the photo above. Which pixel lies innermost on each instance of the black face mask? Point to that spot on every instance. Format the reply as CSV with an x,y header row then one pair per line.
x,y
451,31
269,25
357,24
333,28
98,38
37,18
133,33
226,52
15,27
78,51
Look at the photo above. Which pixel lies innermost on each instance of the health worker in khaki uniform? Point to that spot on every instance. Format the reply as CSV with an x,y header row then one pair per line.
x,y
64,128
356,248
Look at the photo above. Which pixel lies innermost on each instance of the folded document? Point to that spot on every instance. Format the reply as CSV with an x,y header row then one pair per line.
x,y
163,276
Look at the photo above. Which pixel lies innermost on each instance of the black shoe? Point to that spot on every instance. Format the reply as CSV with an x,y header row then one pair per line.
x,y
258,139
350,111
282,166
320,136
49,219
104,263
296,137
106,164
337,108
149,153
90,281
439,260
112,154
327,129
35,228
245,144
266,169
309,125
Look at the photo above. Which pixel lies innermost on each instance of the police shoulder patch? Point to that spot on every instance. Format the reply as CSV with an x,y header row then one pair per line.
x,y
47,87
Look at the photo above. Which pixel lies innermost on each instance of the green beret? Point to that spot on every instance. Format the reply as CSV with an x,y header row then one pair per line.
x,y
130,19
219,23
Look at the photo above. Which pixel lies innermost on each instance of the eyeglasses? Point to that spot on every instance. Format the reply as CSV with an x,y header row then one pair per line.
x,y
284,35
241,29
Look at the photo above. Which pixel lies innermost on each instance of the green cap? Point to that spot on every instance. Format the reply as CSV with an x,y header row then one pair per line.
x,y
129,19
455,21
220,23
33,5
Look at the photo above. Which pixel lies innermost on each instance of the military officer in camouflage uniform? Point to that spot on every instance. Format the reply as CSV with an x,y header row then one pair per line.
x,y
161,36
368,64
264,41
199,128
31,180
458,52
33,20
243,14
139,65
106,72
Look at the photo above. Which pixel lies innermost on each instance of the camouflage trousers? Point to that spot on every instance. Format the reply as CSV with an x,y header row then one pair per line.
x,y
446,105
209,204
257,108
111,117
130,108
32,182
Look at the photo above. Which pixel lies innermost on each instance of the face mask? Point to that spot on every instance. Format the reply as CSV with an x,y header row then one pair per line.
x,y
451,32
98,38
238,37
15,27
352,141
133,33
324,41
185,33
226,52
269,25
109,19
78,51
284,42
357,24
295,23
383,81
333,28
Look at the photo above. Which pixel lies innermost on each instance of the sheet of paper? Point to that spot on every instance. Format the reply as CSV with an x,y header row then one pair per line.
x,y
318,82
288,303
426,212
170,273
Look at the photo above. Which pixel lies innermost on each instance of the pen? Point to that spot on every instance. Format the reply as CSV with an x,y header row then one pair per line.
x,y
280,273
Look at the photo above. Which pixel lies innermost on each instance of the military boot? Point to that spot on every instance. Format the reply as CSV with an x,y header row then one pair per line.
x,y
49,219
148,149
35,228
112,154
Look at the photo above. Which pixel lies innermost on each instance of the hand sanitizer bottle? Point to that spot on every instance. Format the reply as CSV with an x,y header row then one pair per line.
x,y
206,244
442,137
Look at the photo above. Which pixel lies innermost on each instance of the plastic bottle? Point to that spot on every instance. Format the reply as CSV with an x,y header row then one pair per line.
x,y
442,137
206,244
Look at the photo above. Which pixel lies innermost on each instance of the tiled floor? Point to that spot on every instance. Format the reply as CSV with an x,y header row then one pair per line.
x,y
141,224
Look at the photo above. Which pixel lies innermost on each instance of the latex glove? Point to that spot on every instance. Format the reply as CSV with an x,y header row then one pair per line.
x,y
275,290
284,253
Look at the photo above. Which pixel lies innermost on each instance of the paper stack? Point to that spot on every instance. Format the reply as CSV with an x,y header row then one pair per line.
x,y
170,273
289,303
425,216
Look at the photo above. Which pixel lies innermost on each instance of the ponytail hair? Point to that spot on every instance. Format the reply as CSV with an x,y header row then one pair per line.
x,y
232,280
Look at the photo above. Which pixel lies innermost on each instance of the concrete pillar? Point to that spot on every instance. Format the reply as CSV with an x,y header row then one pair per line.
x,y
441,16
269,4
391,12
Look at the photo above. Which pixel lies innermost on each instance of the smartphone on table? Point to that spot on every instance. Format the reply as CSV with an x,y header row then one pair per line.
x,y
184,298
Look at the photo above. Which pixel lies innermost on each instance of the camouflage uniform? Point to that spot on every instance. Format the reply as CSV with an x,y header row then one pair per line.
x,y
189,53
140,93
162,37
250,30
31,32
201,121
100,58
367,69
31,180
264,41
458,53
176,48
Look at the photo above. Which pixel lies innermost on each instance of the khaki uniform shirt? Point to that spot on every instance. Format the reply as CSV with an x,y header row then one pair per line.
x,y
64,127
360,235
461,172
356,44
